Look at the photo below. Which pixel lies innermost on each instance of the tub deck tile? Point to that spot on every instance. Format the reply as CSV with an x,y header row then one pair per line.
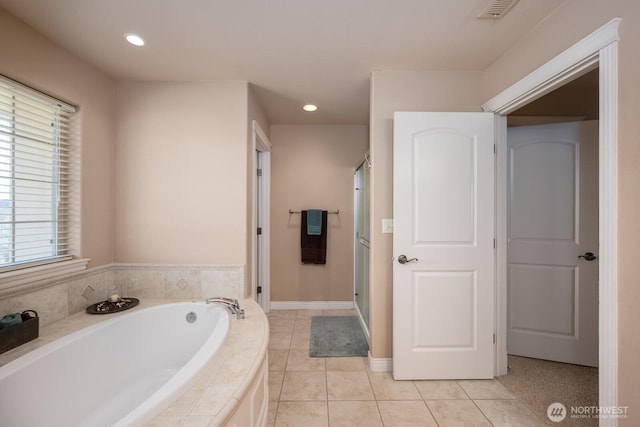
x,y
213,400
185,403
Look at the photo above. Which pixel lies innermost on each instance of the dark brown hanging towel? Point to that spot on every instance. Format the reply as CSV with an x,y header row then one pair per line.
x,y
313,247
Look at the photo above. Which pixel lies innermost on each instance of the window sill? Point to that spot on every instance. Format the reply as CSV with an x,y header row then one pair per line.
x,y
12,282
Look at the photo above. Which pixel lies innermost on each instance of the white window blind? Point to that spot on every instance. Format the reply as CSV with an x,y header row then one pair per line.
x,y
35,177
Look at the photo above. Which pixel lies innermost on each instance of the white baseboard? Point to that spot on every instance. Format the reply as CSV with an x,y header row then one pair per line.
x,y
380,364
311,305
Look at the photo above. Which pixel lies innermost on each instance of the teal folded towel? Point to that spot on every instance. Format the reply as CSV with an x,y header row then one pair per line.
x,y
314,222
10,320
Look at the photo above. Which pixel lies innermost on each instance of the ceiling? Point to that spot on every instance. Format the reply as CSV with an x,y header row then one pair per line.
x,y
292,51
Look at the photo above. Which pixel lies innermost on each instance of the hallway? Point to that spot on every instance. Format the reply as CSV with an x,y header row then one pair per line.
x,y
335,392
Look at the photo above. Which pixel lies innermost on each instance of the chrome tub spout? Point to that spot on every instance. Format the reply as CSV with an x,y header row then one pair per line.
x,y
231,304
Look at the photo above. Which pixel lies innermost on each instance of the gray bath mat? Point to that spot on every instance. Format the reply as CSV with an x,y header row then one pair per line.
x,y
337,336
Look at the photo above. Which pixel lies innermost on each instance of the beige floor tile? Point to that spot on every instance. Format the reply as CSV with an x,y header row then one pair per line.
x,y
404,413
485,389
300,341
297,414
351,414
386,388
275,385
278,360
302,326
299,360
506,413
271,415
455,413
284,326
304,386
435,390
307,314
282,314
349,385
346,363
279,341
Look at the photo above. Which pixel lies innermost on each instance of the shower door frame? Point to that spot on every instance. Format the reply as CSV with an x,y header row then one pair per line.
x,y
356,248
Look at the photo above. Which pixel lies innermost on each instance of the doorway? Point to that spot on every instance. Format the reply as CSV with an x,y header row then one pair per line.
x,y
599,49
552,215
260,284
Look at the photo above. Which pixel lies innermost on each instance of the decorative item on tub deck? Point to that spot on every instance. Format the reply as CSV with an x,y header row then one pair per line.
x,y
114,294
114,303
18,329
10,320
106,307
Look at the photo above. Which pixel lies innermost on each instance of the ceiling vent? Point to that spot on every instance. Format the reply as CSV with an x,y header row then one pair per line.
x,y
496,9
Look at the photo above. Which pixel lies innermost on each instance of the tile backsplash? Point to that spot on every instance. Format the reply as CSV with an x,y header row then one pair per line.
x,y
62,297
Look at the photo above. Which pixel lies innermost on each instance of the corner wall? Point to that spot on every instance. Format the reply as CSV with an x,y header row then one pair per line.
x,y
393,91
312,167
181,172
30,58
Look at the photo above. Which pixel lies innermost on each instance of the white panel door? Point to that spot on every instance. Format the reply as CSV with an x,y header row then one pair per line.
x,y
443,300
553,219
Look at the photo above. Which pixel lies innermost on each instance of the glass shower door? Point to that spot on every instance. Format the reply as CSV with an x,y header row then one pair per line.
x,y
361,244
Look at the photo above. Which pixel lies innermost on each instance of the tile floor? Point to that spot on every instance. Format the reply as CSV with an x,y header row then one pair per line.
x,y
309,392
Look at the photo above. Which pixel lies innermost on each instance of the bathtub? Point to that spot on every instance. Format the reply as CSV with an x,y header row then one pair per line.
x,y
122,371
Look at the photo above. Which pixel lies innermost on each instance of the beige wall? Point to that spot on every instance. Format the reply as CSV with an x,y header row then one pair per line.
x,y
568,101
312,167
183,157
181,175
402,91
571,22
30,58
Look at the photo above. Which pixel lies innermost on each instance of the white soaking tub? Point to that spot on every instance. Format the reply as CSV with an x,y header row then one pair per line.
x,y
119,372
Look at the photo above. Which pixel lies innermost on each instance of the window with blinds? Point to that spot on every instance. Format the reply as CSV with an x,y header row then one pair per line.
x,y
35,183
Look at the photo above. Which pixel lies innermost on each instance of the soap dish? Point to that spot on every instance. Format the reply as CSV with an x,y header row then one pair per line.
x,y
106,307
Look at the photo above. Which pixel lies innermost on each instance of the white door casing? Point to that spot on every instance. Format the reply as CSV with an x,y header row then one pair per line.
x,y
261,217
443,303
552,219
598,49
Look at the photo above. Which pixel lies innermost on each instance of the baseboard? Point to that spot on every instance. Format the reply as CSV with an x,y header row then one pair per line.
x,y
380,364
311,305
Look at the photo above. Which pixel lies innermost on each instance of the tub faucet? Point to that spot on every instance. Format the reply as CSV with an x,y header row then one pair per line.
x,y
231,304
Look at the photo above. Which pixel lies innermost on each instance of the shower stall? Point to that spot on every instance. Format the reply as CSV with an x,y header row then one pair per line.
x,y
361,242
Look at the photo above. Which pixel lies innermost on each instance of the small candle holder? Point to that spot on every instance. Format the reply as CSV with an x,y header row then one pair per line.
x,y
114,293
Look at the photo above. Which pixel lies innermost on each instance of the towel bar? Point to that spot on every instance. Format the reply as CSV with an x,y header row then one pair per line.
x,y
336,212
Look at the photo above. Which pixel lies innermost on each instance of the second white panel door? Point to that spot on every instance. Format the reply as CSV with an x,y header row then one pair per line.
x,y
553,220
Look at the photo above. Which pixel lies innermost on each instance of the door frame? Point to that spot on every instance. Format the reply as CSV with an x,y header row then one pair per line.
x,y
597,50
261,149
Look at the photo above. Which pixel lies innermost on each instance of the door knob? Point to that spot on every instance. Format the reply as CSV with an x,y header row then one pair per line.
x,y
588,256
402,259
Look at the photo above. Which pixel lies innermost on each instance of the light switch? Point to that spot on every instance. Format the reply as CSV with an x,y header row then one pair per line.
x,y
387,226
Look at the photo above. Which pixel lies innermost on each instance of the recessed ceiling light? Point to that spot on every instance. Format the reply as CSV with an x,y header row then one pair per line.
x,y
134,39
310,108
